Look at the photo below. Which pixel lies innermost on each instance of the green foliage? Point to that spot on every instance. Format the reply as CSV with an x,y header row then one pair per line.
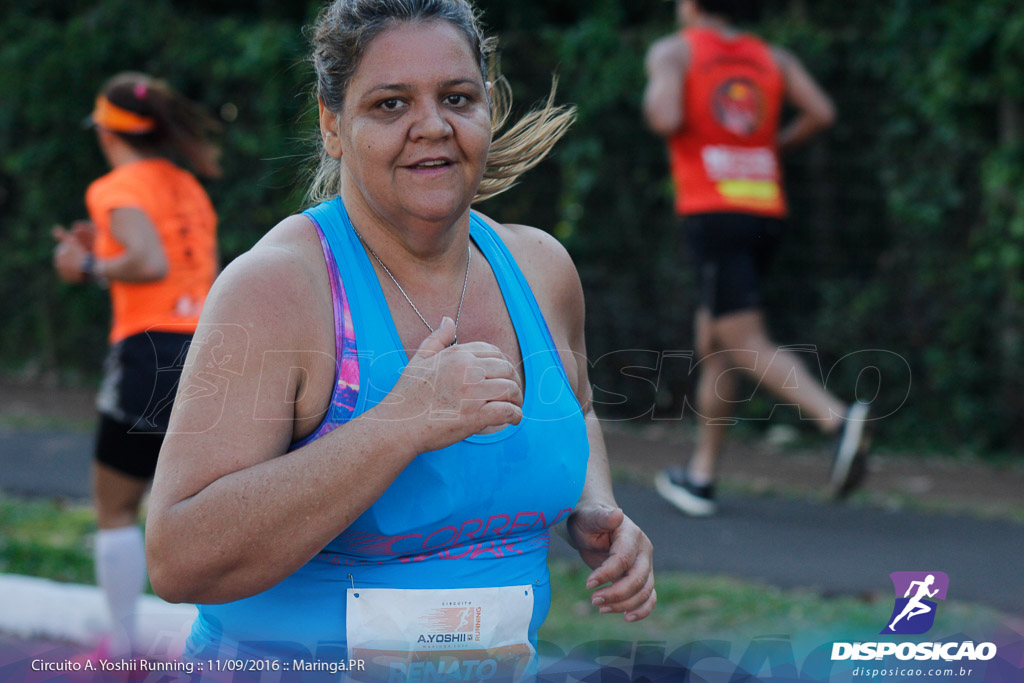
x,y
51,66
46,539
907,228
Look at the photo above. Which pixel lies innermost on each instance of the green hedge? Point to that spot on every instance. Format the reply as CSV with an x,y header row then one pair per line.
x,y
907,235
51,65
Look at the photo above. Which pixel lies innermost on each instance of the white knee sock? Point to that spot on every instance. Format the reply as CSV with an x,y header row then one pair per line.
x,y
121,574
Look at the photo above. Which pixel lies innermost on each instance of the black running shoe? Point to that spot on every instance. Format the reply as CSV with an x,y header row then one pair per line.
x,y
849,463
688,498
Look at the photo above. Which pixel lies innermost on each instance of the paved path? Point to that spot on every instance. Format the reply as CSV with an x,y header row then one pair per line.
x,y
45,464
836,549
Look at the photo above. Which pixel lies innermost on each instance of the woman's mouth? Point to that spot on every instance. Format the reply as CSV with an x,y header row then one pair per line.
x,y
430,164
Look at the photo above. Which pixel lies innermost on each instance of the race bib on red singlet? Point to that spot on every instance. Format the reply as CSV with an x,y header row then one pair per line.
x,y
745,175
461,634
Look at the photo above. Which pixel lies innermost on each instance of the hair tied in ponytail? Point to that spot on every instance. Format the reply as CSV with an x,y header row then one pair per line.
x,y
171,125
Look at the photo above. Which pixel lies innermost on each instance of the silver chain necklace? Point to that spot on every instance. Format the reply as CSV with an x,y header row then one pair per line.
x,y
465,282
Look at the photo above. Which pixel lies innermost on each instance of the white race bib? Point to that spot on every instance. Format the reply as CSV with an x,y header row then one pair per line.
x,y
453,634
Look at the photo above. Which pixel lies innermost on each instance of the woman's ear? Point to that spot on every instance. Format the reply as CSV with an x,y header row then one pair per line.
x,y
109,143
329,130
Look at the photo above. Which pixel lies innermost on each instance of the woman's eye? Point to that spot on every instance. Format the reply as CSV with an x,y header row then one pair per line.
x,y
456,100
390,104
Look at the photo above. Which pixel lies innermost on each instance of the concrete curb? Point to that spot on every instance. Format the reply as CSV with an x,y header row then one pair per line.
x,y
72,613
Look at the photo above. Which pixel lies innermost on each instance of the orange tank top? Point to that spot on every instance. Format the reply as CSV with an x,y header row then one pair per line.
x,y
725,157
187,227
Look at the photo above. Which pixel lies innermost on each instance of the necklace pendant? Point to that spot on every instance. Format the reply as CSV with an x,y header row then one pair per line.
x,y
462,298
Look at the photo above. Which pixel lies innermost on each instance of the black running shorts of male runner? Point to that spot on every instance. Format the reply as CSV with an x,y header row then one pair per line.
x,y
140,378
731,253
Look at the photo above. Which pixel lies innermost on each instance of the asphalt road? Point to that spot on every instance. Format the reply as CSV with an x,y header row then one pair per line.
x,y
835,549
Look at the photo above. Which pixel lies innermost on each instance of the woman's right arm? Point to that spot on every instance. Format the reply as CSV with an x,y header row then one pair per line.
x,y
232,513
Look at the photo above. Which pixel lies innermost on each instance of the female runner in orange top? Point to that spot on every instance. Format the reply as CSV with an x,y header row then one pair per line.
x,y
151,240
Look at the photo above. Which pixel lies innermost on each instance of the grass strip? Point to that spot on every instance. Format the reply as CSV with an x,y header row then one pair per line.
x,y
50,538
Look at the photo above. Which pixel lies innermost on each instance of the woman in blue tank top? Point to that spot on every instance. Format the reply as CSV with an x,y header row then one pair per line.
x,y
386,407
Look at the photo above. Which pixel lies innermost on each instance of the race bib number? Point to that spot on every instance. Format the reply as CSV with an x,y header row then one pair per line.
x,y
743,175
461,634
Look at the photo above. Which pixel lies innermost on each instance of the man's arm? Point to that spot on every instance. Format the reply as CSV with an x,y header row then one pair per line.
x,y
815,111
666,64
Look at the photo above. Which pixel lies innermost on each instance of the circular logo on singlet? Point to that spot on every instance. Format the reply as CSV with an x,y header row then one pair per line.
x,y
738,105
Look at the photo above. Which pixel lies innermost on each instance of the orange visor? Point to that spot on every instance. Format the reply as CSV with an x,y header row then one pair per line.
x,y
112,117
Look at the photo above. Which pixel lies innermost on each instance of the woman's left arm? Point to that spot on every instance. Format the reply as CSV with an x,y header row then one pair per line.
x,y
611,544
142,258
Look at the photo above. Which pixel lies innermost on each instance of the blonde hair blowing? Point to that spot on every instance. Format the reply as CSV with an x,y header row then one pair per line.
x,y
340,37
525,144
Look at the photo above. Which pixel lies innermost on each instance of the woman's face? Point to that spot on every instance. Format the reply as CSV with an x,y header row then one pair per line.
x,y
415,128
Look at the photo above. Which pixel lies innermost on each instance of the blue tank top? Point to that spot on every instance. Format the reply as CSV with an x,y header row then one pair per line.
x,y
475,514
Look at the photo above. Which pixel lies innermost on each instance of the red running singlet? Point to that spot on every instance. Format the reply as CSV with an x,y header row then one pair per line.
x,y
725,156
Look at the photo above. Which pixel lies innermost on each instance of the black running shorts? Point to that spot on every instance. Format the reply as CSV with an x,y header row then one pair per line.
x,y
130,452
140,379
731,253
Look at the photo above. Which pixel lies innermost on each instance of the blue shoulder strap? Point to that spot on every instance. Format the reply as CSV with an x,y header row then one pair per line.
x,y
524,309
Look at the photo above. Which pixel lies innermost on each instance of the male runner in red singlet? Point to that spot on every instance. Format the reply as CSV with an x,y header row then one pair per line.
x,y
716,95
